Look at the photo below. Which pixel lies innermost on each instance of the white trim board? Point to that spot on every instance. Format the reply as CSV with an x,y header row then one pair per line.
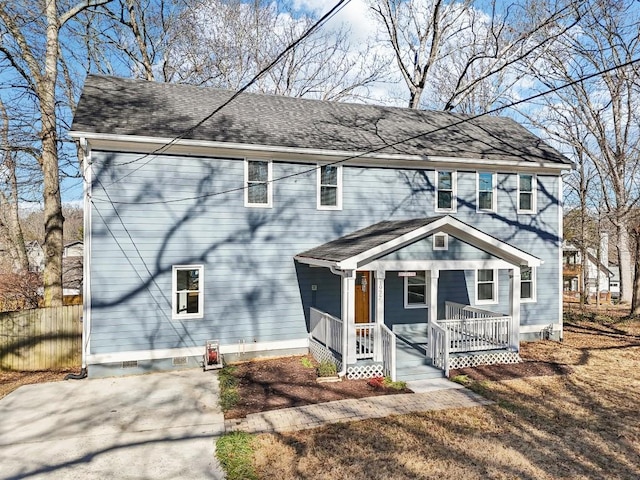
x,y
161,145
139,355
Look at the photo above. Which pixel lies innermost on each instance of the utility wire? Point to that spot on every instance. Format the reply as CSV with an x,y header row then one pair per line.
x,y
324,19
391,144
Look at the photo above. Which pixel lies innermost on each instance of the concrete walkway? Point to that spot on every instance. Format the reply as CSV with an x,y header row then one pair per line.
x,y
158,426
436,395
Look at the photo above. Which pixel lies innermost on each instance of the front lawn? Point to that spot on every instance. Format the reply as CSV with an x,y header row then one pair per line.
x,y
583,423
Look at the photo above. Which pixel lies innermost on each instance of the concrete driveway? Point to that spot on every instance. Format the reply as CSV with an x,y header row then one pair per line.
x,y
156,426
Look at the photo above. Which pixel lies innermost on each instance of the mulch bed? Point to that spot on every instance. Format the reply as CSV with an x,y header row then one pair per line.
x,y
285,382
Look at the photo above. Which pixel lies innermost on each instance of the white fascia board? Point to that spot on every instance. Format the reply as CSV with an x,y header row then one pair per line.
x,y
314,262
455,228
358,260
146,144
419,265
141,355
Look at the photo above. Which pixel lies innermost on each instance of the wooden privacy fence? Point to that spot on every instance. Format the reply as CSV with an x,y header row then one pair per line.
x,y
41,339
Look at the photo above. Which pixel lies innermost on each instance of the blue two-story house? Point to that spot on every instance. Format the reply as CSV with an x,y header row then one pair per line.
x,y
277,225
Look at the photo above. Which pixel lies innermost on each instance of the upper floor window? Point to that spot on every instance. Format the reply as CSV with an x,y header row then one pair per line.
x,y
445,191
330,187
526,193
187,292
415,290
486,199
258,183
486,286
527,284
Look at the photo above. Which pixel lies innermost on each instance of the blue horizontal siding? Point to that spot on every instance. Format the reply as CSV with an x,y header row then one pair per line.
x,y
253,289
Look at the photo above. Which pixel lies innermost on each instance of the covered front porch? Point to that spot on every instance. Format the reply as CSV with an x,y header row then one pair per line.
x,y
405,304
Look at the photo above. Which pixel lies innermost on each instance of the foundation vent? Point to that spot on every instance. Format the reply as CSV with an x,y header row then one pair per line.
x,y
179,361
130,364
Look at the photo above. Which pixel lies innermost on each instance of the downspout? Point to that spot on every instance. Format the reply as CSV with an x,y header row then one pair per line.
x,y
86,261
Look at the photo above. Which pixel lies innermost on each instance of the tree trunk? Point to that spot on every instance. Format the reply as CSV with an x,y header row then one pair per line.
x,y
53,219
624,261
635,303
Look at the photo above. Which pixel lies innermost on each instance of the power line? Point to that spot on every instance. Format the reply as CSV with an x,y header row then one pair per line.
x,y
391,144
325,18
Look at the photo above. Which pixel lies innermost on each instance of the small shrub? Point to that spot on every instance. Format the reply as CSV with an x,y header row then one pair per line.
x,y
386,383
235,453
306,362
327,369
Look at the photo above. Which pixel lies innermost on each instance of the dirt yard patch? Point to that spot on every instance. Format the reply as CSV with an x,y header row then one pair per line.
x,y
9,380
580,424
272,384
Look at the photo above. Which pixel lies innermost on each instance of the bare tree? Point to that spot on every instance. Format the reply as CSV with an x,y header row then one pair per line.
x,y
604,109
31,51
461,54
226,43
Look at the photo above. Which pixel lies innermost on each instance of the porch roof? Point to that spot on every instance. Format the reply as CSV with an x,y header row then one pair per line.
x,y
366,245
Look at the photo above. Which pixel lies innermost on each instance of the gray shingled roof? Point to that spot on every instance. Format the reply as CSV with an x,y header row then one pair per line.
x,y
360,241
136,107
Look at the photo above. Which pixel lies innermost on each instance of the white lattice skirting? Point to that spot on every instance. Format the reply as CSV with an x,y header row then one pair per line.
x,y
323,354
489,358
356,372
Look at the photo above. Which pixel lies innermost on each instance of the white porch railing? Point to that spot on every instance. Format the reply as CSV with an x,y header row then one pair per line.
x,y
326,329
388,344
476,334
365,340
459,311
439,349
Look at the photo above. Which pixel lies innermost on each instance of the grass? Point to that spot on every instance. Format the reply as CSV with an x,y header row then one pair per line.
x,y
327,369
307,363
235,451
578,426
229,396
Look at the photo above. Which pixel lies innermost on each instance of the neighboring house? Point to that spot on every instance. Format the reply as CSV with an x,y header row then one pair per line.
x,y
72,260
35,255
280,225
614,282
598,276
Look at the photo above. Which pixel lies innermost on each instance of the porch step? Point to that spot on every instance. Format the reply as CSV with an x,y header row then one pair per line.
x,y
412,363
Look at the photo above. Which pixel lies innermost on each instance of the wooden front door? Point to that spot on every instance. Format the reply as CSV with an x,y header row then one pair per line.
x,y
363,289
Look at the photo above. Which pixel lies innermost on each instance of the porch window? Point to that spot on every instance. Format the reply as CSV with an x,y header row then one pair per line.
x,y
330,187
527,284
486,286
187,292
486,200
258,183
526,193
415,291
445,191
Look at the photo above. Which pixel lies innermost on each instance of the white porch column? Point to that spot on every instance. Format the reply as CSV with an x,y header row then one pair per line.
x,y
349,317
434,275
514,303
377,346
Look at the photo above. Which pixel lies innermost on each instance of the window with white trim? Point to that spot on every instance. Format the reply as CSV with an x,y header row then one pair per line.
x,y
445,191
486,286
527,284
258,183
187,292
330,187
526,193
415,291
486,199
440,241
